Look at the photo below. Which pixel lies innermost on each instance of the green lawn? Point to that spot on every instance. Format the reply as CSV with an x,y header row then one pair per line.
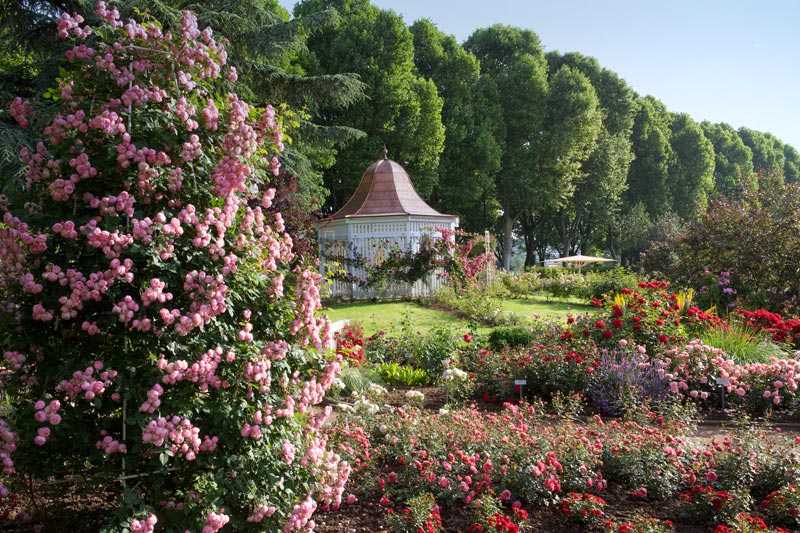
x,y
548,310
392,316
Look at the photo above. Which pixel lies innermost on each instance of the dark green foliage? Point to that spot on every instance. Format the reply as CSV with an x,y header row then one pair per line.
x,y
648,177
472,121
402,110
791,164
511,336
733,168
767,150
514,74
691,171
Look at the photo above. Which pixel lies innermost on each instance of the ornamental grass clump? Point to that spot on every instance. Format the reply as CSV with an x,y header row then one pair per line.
x,y
160,334
743,342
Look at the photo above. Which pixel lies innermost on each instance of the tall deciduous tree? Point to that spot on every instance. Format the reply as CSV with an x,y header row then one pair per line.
x,y
649,171
597,197
767,150
691,172
733,168
402,111
514,67
473,136
791,164
571,129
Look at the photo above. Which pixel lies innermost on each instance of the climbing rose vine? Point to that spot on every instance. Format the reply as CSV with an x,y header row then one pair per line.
x,y
159,334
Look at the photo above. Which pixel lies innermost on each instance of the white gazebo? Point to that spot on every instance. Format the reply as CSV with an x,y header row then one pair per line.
x,y
384,212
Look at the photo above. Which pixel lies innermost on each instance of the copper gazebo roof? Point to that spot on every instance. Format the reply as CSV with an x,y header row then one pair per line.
x,y
385,189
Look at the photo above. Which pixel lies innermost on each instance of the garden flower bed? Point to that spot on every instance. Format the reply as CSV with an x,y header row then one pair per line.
x,y
648,473
588,427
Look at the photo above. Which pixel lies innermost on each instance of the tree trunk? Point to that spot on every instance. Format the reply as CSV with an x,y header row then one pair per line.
x,y
611,242
565,234
508,239
530,253
530,240
541,251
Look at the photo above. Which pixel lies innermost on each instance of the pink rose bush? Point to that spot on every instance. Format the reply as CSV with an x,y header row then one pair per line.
x,y
693,369
160,333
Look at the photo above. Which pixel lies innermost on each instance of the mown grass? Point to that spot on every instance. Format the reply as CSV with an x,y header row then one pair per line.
x,y
391,316
547,310
395,317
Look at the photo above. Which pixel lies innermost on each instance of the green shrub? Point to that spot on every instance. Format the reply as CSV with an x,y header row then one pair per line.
x,y
613,280
510,336
751,238
473,305
565,284
521,285
380,349
430,350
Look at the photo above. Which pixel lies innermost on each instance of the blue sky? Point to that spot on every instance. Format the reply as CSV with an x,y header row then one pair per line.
x,y
729,61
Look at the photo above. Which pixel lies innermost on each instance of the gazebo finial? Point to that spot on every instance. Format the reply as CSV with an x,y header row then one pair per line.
x,y
385,152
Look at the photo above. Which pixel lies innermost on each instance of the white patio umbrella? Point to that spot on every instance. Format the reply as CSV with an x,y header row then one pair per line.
x,y
580,261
